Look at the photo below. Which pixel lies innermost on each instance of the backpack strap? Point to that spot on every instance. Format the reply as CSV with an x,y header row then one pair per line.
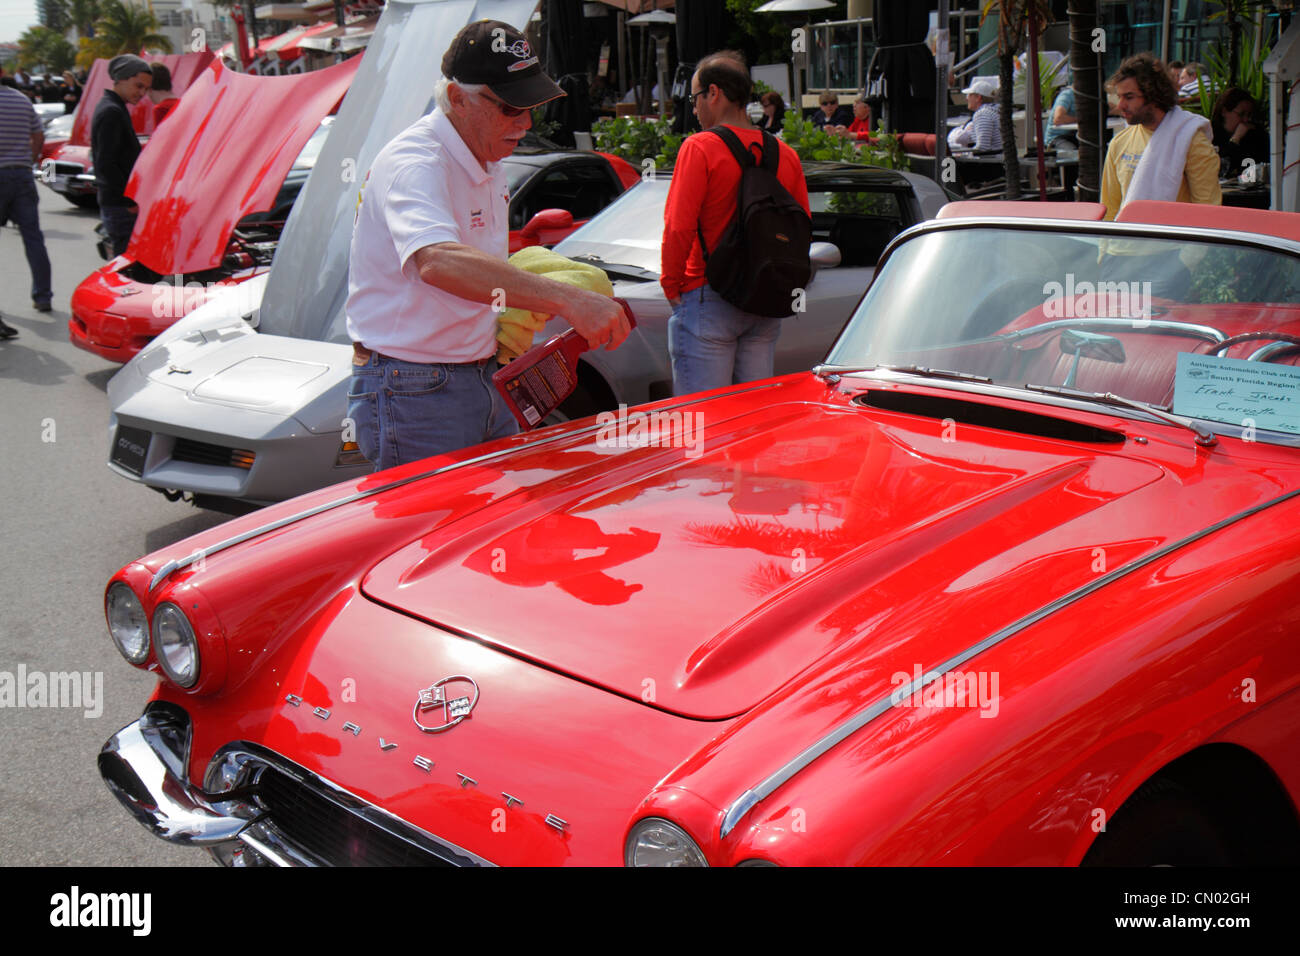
x,y
738,150
745,158
771,153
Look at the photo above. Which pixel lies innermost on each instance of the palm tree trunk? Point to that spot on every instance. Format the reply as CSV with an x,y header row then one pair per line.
x,y
1010,157
1085,65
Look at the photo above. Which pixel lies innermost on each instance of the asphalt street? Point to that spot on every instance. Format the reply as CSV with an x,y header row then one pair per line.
x,y
68,523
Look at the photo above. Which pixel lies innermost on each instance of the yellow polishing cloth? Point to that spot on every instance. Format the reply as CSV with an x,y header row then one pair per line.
x,y
516,327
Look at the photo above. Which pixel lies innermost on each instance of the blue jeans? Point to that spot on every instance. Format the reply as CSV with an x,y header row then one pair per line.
x,y
405,411
713,344
18,201
119,222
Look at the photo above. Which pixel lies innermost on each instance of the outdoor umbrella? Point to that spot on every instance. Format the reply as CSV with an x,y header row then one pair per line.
x,y
701,30
906,65
566,61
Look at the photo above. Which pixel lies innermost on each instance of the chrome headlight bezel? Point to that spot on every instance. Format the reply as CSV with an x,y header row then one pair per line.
x,y
176,647
655,841
124,613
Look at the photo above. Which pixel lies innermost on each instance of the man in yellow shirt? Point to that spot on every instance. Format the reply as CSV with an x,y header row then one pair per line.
x,y
1146,100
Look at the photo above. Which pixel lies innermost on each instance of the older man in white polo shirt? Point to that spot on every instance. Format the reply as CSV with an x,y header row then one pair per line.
x,y
428,272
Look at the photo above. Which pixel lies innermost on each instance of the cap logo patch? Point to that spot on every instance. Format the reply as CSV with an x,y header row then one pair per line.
x,y
521,65
519,49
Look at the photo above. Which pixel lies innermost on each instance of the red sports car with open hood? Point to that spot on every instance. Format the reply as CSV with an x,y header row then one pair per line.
x,y
1010,578
214,186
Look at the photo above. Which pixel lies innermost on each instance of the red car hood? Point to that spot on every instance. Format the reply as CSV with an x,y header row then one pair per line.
x,y
702,581
222,154
184,68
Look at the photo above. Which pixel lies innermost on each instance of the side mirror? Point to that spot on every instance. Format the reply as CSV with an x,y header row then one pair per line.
x,y
545,220
824,255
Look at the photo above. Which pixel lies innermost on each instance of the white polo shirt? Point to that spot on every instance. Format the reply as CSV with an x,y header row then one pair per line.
x,y
425,187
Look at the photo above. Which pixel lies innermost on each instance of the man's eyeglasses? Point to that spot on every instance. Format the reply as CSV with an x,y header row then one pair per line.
x,y
695,98
508,111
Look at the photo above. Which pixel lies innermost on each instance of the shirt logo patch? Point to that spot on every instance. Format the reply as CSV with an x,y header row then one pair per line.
x,y
476,220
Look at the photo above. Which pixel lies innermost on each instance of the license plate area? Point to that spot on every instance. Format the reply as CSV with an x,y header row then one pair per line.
x,y
130,448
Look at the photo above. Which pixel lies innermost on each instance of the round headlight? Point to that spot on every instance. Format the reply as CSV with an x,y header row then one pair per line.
x,y
655,842
126,622
178,650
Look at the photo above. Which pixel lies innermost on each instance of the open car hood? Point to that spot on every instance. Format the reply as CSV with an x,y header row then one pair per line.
x,y
308,285
222,154
184,68
798,536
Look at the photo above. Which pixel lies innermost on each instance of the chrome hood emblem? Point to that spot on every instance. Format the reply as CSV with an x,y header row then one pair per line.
x,y
434,700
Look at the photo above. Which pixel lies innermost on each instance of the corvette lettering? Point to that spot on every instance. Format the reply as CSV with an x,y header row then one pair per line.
x,y
433,699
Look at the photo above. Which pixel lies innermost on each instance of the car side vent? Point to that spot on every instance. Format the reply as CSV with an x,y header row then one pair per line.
x,y
988,416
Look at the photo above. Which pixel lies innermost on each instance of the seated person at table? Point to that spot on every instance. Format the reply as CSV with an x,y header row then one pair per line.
x,y
860,128
773,112
1063,111
1189,81
1236,137
831,113
983,132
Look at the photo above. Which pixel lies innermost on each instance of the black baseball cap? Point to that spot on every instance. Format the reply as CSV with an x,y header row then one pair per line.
x,y
495,53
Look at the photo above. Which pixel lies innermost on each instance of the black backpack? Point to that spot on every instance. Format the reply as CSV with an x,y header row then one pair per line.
x,y
762,257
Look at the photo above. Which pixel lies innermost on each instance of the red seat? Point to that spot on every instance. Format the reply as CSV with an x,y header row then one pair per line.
x,y
920,144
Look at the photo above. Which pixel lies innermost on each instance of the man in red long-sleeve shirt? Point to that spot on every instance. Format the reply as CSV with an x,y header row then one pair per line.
x,y
713,343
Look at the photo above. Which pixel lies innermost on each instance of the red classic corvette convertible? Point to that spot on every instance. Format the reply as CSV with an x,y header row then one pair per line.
x,y
1010,578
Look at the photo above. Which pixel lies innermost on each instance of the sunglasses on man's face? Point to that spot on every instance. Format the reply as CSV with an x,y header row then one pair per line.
x,y
508,111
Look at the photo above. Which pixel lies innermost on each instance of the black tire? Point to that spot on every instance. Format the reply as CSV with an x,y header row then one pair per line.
x,y
1162,824
578,405
90,201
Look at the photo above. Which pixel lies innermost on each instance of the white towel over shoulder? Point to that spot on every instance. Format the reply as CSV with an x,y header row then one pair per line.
x,y
1159,172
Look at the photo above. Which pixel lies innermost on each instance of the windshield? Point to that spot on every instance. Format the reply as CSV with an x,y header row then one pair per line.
x,y
628,231
1209,330
857,219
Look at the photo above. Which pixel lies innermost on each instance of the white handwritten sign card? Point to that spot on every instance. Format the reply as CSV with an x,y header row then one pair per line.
x,y
1234,391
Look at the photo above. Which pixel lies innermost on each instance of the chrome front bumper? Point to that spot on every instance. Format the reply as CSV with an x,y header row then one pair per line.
x,y
145,766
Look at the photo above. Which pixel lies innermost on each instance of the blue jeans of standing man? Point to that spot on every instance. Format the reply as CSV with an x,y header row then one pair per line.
x,y
18,203
405,411
714,344
118,222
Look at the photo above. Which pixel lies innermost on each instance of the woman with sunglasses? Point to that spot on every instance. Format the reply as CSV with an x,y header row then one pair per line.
x,y
1236,136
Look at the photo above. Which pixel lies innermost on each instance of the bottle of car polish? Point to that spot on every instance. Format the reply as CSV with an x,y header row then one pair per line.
x,y
537,382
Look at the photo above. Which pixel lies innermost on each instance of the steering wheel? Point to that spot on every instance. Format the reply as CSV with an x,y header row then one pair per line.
x,y
1292,340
